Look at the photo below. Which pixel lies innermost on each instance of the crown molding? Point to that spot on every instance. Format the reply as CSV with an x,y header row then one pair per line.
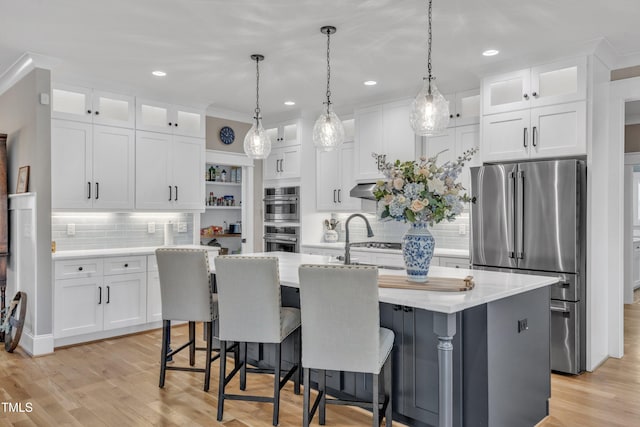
x,y
27,62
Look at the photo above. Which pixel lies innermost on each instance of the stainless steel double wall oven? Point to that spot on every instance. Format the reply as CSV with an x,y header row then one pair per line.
x,y
282,219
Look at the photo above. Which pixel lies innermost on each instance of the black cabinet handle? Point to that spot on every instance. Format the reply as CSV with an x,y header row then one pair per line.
x,y
407,309
176,199
97,113
451,116
175,124
99,295
535,130
535,94
108,294
97,190
170,123
458,115
334,196
79,268
524,137
525,96
397,307
126,265
88,111
339,201
89,186
170,197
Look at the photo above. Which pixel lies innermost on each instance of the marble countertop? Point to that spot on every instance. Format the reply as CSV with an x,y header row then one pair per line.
x,y
489,285
456,253
118,252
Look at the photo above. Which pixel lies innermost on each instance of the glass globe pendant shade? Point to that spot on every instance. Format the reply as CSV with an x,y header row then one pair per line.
x,y
328,132
257,144
429,111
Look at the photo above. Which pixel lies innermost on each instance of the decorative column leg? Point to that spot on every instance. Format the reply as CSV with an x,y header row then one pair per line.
x,y
444,326
168,327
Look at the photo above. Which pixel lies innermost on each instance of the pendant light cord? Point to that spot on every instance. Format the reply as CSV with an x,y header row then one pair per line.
x,y
257,111
429,41
328,71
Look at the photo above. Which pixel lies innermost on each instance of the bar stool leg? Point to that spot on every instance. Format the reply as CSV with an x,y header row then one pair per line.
x,y
322,389
166,330
207,367
298,376
276,384
376,399
192,343
223,374
243,367
388,389
306,398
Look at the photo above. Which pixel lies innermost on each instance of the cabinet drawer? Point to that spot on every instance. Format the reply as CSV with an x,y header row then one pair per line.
x,y
123,265
78,268
152,263
454,262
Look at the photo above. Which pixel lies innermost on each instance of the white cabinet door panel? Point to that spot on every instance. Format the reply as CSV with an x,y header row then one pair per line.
x,y
443,145
506,92
559,130
506,136
153,166
125,301
468,137
113,167
71,103
189,123
154,300
78,306
399,140
347,178
327,179
559,82
188,169
369,136
71,174
113,109
153,116
290,165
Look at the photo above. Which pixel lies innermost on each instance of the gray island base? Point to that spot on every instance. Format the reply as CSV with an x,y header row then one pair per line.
x,y
475,358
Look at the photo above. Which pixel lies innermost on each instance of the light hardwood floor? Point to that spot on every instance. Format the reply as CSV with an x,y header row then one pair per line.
x,y
115,383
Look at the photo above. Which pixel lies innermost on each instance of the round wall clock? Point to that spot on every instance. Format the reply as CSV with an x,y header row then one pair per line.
x,y
227,135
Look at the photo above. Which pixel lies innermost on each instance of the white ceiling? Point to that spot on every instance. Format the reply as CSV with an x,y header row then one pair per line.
x,y
204,45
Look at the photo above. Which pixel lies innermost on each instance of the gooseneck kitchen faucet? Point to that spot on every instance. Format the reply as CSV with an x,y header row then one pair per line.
x,y
347,245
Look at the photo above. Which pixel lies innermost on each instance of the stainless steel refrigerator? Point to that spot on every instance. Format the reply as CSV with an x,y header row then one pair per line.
x,y
530,218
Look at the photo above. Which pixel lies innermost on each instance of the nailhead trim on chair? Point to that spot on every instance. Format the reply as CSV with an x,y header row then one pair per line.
x,y
341,266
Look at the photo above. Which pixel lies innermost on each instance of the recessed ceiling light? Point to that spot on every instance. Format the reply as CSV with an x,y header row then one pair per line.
x,y
490,52
289,103
159,73
370,83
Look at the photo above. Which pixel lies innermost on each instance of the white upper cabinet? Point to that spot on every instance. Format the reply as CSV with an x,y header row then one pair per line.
x,y
92,106
558,82
166,118
466,108
284,134
92,167
169,172
382,133
334,180
539,112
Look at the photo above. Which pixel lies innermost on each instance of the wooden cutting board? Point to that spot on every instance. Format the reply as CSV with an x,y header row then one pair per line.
x,y
440,284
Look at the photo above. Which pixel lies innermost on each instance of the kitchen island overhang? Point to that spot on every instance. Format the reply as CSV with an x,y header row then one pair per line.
x,y
490,344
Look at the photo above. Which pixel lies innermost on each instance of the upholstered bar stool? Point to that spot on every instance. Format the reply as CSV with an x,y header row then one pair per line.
x,y
186,293
251,311
341,332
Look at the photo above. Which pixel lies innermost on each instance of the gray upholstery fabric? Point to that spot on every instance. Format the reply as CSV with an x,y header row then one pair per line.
x,y
341,319
250,307
185,285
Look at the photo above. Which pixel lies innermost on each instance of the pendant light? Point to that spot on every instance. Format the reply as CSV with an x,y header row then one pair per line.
x,y
257,144
430,110
328,132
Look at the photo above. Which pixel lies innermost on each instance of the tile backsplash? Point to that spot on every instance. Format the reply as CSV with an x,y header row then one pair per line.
x,y
447,234
73,231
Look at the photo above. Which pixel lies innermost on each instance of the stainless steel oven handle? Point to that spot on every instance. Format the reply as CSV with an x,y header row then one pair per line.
x,y
559,310
279,199
268,240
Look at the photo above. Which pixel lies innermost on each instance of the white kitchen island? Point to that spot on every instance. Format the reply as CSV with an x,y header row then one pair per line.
x,y
495,372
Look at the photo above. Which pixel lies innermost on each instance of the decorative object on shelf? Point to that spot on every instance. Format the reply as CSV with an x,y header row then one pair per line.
x,y
422,193
211,175
429,110
23,179
328,131
257,144
330,232
227,135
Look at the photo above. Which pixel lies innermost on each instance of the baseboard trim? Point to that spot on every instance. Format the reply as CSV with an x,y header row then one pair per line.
x,y
36,345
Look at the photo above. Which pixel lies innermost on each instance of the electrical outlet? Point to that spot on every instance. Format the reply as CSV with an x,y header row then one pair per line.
x,y
151,227
71,229
182,227
462,229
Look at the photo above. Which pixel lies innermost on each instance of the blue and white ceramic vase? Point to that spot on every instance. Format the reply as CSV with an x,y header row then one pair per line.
x,y
417,248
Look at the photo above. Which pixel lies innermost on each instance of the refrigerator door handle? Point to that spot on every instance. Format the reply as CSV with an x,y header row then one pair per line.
x,y
520,216
511,218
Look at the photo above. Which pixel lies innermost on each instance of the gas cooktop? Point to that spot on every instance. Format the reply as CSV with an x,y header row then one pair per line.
x,y
377,245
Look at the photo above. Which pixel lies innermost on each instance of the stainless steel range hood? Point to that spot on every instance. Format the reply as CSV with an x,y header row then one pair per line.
x,y
363,191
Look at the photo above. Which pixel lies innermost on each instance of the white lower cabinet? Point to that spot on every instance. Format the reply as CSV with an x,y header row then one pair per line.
x,y
454,262
89,298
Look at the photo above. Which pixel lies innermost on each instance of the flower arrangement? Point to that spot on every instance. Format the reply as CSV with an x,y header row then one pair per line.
x,y
421,191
